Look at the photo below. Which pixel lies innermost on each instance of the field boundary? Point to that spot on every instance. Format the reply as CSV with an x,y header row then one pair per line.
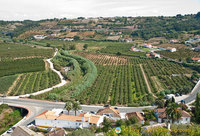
x,y
146,81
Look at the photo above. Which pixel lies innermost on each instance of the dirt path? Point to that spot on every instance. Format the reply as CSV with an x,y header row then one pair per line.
x,y
146,81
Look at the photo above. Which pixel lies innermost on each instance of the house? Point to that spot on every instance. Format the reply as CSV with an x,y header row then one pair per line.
x,y
162,117
174,41
138,115
196,59
147,45
171,49
111,112
153,55
68,39
39,37
54,119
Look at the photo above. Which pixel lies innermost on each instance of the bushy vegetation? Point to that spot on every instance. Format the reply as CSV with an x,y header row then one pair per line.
x,y
33,82
11,67
79,81
9,117
6,82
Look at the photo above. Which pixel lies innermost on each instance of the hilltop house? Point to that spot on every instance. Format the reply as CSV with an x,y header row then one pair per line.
x,y
138,115
111,112
196,59
56,119
171,49
161,116
153,55
39,37
147,45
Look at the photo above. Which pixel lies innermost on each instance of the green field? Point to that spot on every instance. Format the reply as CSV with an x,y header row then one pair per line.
x,y
11,50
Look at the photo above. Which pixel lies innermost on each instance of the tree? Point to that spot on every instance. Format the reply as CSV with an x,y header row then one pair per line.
x,y
118,53
197,109
106,125
85,46
173,112
160,102
119,123
76,106
52,96
76,38
133,120
68,106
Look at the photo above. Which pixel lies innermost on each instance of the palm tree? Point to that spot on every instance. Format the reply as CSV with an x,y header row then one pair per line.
x,y
173,111
76,106
68,106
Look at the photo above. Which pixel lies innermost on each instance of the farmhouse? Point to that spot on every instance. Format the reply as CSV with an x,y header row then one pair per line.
x,y
162,117
39,37
174,41
147,45
111,112
153,55
196,59
138,115
171,49
55,119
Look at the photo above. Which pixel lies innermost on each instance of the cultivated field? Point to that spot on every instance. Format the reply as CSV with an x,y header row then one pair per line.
x,y
121,80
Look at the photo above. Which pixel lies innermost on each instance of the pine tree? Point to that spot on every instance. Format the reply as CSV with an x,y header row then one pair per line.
x,y
197,108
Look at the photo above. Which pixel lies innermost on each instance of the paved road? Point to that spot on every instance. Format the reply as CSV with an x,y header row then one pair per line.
x,y
37,106
191,98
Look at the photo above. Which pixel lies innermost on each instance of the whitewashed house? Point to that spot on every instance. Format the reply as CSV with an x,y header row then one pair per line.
x,y
54,119
147,45
162,117
39,37
171,49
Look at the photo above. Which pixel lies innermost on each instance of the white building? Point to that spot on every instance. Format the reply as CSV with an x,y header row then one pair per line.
x,y
171,49
54,119
162,117
39,37
148,45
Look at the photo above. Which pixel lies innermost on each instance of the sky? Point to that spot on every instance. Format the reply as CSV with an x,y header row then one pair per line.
x,y
43,9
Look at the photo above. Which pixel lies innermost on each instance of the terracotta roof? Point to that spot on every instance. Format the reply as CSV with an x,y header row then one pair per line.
x,y
160,110
87,117
195,59
109,109
170,48
137,114
185,114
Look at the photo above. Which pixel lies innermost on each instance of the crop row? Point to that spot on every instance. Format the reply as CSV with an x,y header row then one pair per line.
x,y
33,82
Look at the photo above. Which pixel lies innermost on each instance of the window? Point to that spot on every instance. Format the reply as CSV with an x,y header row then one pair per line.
x,y
186,119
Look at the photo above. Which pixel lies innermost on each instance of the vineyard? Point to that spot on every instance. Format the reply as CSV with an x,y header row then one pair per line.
x,y
11,67
181,54
6,82
8,50
33,82
121,81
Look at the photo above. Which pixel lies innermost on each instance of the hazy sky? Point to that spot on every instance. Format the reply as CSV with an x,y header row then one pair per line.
x,y
42,9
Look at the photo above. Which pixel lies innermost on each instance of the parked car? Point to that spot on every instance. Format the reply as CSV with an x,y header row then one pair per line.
x,y
107,105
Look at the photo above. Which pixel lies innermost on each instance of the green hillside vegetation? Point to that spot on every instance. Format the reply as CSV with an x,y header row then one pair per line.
x,y
9,117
